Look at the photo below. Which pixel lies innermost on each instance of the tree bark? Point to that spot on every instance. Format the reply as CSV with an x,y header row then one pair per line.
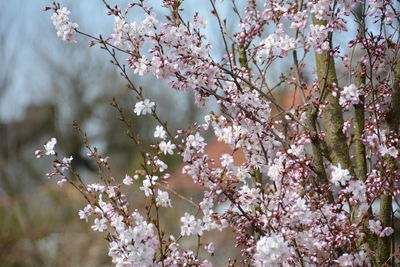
x,y
332,114
385,213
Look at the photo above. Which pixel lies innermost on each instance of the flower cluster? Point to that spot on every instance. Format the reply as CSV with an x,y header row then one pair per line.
x,y
66,30
349,95
339,175
271,251
277,44
134,240
143,107
376,227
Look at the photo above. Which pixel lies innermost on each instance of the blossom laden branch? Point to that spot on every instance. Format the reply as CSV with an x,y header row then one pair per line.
x,y
297,199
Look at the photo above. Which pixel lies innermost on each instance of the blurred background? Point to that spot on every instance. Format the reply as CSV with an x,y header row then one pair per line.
x,y
45,84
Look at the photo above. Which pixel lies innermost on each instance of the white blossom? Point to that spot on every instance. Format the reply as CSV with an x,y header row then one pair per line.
x,y
85,213
386,232
49,146
96,188
271,251
140,67
196,141
117,221
67,161
128,180
200,22
318,37
143,107
161,164
391,151
358,190
99,224
167,147
277,44
111,191
339,175
345,260
149,20
147,184
190,226
226,160
248,197
160,132
375,226
349,94
163,199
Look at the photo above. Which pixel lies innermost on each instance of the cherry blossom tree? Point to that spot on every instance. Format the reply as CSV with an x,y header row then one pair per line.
x,y
313,173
